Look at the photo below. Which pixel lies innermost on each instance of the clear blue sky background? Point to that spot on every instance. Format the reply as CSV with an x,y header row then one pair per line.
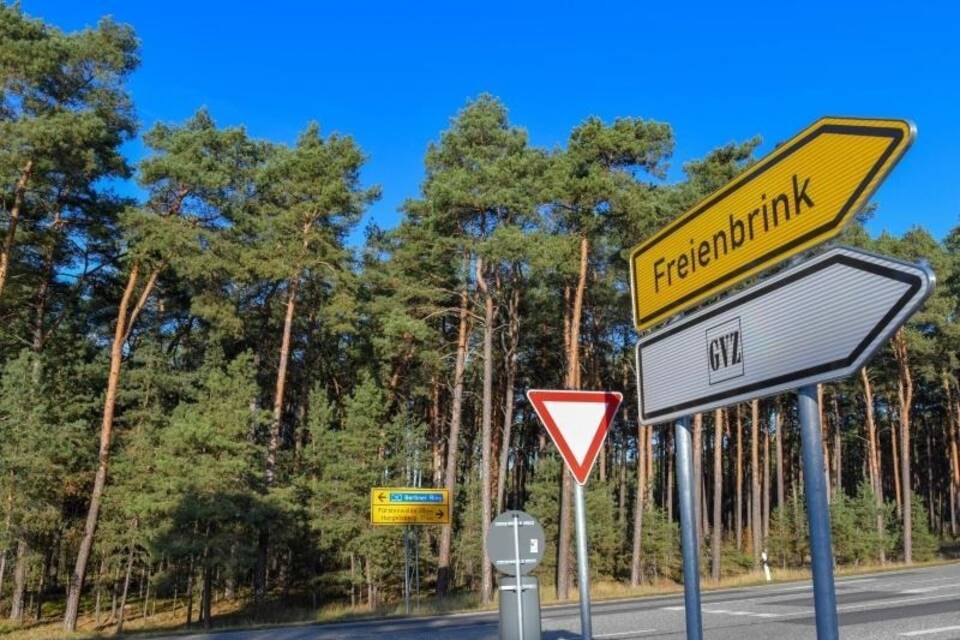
x,y
392,74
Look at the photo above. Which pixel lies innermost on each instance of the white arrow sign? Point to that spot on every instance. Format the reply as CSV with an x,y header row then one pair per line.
x,y
815,322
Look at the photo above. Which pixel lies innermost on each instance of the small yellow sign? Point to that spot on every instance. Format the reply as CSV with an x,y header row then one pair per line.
x,y
409,505
798,196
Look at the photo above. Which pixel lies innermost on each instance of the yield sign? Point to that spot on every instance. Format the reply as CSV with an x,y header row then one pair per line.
x,y
577,422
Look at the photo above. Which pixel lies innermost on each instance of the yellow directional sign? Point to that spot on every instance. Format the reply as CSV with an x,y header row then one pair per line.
x,y
801,194
409,505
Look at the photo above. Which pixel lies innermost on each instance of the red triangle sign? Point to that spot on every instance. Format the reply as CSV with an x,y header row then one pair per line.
x,y
577,422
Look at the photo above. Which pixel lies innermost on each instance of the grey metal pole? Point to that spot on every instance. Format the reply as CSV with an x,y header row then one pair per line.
x,y
406,569
516,558
818,515
688,530
583,561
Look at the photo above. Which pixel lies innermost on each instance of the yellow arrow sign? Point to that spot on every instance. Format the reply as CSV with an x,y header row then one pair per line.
x,y
409,505
801,194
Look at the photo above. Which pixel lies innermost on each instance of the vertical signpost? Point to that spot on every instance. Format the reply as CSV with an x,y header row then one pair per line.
x,y
577,422
514,544
817,321
406,506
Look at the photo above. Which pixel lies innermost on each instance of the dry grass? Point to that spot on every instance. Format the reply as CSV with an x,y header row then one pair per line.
x,y
233,615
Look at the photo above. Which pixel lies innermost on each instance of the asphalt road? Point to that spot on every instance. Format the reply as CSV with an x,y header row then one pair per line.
x,y
917,603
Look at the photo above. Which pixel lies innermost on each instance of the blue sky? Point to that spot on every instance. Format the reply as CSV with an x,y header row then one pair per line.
x,y
392,75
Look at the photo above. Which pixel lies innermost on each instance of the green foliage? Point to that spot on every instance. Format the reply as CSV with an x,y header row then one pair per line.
x,y
660,546
604,535
544,504
789,540
925,543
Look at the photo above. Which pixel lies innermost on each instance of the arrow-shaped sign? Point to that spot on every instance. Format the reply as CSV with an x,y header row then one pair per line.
x,y
814,322
577,422
801,194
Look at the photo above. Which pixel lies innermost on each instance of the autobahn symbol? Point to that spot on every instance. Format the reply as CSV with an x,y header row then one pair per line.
x,y
409,505
800,195
814,322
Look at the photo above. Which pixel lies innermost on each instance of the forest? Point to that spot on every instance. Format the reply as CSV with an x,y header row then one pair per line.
x,y
200,385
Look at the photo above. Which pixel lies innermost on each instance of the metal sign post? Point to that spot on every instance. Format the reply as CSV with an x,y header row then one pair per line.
x,y
583,561
577,422
818,515
518,573
688,529
406,570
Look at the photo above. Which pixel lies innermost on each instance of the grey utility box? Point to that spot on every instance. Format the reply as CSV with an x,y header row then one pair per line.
x,y
509,616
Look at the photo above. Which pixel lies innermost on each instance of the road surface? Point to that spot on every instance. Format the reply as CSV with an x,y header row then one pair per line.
x,y
922,604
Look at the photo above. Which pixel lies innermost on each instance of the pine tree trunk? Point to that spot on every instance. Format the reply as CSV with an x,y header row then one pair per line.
x,y
572,382
894,449
436,432
778,449
953,454
124,326
206,596
837,446
9,239
96,609
873,456
126,590
755,517
621,488
510,368
281,382
669,474
453,440
931,506
781,504
190,595
698,477
113,593
905,396
651,469
739,497
353,579
717,491
146,591
42,582
766,485
636,575
3,565
17,604
486,428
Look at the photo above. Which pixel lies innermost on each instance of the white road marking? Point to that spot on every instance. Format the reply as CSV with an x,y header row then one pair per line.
x,y
924,632
927,589
750,614
620,634
886,603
